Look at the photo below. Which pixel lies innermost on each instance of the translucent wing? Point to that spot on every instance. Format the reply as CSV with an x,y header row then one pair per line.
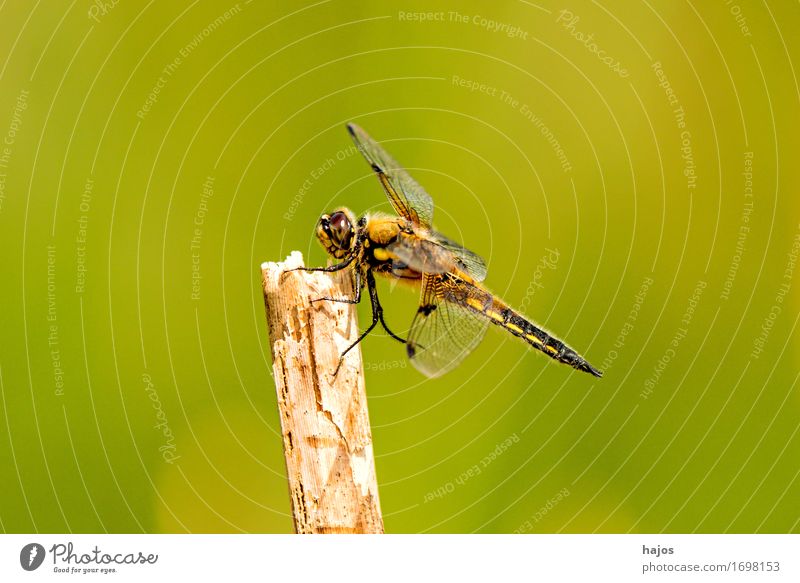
x,y
422,254
435,253
446,328
467,261
408,198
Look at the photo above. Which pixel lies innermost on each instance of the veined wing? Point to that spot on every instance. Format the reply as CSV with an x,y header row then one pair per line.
x,y
468,262
422,254
434,253
408,198
445,328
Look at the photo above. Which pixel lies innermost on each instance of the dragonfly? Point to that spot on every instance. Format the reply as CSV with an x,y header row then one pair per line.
x,y
455,309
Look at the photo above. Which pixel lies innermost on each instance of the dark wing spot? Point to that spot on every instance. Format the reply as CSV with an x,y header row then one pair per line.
x,y
426,309
410,350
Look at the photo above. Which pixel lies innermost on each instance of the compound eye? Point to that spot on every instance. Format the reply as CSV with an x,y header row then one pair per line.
x,y
341,230
340,222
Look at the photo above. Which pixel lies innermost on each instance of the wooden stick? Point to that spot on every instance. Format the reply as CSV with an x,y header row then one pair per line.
x,y
327,440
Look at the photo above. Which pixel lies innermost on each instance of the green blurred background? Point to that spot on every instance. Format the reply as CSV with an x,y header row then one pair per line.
x,y
630,175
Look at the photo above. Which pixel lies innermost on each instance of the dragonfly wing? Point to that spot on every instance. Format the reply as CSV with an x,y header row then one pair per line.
x,y
467,261
421,254
408,198
435,253
445,328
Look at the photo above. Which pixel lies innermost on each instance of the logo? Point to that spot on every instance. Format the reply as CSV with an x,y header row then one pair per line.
x,y
31,556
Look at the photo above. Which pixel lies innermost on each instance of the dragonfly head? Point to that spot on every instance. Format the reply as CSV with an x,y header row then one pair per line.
x,y
336,232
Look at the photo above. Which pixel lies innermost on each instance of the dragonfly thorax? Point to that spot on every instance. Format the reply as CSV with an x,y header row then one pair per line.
x,y
336,232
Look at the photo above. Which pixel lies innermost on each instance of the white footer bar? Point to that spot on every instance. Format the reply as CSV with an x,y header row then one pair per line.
x,y
350,558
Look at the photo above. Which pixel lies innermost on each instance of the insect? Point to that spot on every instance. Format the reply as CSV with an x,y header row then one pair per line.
x,y
454,308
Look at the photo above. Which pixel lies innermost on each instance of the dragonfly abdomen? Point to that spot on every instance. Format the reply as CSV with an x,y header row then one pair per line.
x,y
500,314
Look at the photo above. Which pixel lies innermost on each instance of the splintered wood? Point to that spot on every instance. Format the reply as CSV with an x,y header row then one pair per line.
x,y
324,421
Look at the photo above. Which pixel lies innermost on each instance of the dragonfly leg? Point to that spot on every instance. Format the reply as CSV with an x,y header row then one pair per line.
x,y
354,344
392,334
377,316
353,300
329,268
377,310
